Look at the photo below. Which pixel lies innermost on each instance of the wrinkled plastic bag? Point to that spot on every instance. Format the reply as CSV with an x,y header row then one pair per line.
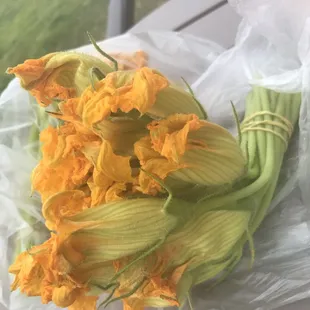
x,y
272,50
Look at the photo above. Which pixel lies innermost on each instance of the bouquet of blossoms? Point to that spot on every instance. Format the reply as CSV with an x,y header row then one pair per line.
x,y
143,195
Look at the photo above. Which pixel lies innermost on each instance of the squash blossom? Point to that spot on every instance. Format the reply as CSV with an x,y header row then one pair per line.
x,y
63,165
110,123
188,150
60,75
92,249
119,149
123,94
143,196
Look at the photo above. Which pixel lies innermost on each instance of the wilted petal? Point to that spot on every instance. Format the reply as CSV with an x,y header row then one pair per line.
x,y
115,191
28,275
63,166
99,184
200,152
98,104
145,86
113,166
170,136
63,204
62,75
153,163
53,145
64,296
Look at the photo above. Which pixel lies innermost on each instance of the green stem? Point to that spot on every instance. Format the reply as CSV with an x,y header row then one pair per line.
x,y
268,158
264,150
96,46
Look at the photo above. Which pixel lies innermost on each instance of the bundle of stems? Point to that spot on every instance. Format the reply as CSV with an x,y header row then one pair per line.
x,y
264,136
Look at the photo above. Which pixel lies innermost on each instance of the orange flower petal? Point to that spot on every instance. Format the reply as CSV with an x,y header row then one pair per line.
x,y
122,90
63,166
64,296
113,193
62,75
98,185
70,173
97,105
61,205
28,273
30,70
77,141
84,302
152,162
53,145
159,167
40,82
113,166
143,150
145,86
170,136
91,151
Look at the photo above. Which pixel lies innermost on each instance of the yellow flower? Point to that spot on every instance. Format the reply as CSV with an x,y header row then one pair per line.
x,y
190,151
113,166
122,90
170,136
212,241
28,275
80,258
152,162
112,230
48,270
73,159
70,173
144,90
115,191
60,75
111,174
158,284
98,185
63,165
63,205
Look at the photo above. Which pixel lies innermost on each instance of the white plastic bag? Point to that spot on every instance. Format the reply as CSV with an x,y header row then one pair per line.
x,y
175,55
272,50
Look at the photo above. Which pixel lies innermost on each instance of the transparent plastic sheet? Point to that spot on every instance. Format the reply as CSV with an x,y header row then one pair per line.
x,y
175,55
272,50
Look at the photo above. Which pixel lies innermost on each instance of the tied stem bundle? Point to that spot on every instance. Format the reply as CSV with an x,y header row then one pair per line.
x,y
143,197
267,129
264,136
